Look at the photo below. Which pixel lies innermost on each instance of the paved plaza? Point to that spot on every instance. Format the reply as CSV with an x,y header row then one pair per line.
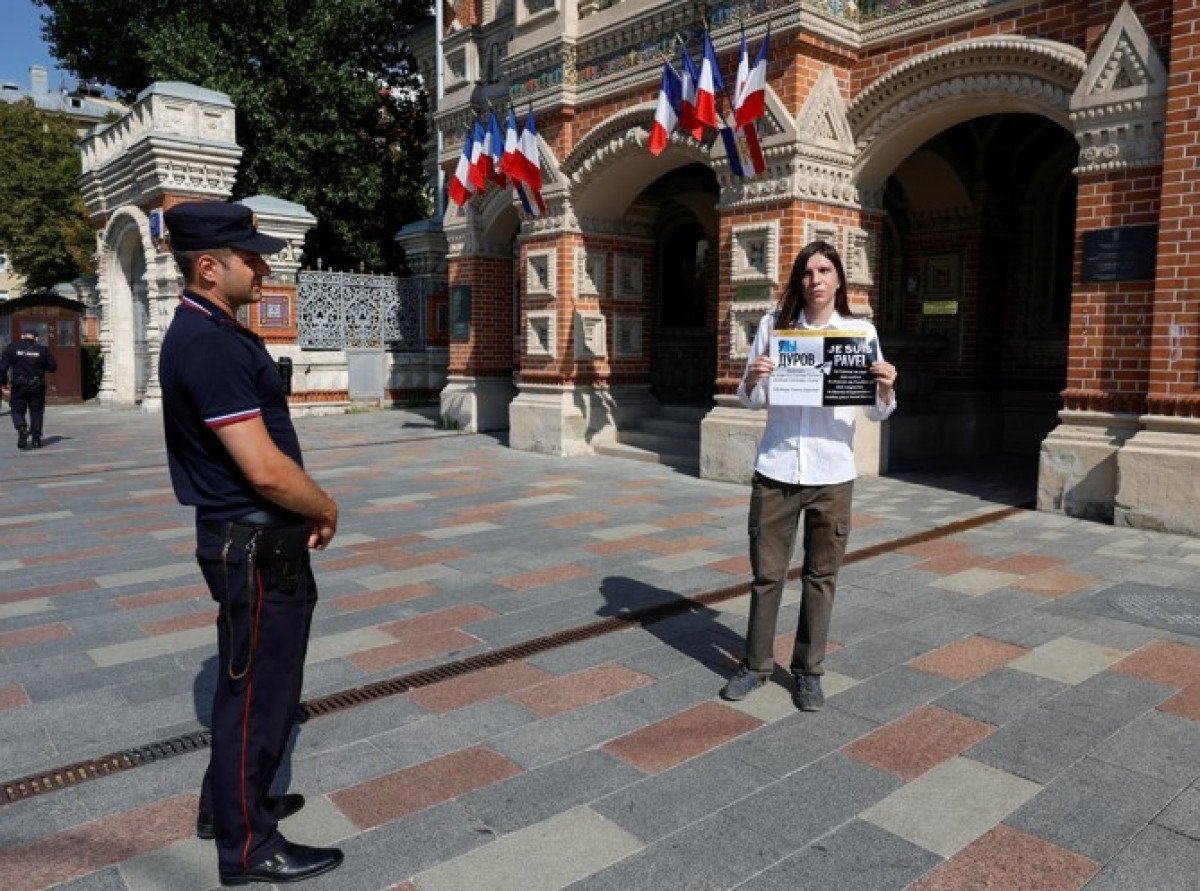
x,y
1014,705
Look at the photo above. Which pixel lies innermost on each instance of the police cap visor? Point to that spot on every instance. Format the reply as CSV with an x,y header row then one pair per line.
x,y
208,225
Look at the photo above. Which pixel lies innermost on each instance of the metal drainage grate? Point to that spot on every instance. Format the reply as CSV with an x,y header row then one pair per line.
x,y
63,777
1175,612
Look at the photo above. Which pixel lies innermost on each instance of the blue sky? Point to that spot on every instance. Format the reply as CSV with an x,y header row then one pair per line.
x,y
21,43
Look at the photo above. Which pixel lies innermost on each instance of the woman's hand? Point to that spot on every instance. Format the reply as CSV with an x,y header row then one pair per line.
x,y
885,379
757,370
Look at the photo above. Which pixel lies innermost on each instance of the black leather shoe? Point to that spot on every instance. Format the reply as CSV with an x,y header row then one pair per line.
x,y
37,442
22,439
281,808
294,863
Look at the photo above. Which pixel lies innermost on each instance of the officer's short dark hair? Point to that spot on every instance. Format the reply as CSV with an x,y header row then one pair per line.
x,y
186,260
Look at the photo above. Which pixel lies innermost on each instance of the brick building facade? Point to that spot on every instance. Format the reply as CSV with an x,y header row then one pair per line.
x,y
1010,183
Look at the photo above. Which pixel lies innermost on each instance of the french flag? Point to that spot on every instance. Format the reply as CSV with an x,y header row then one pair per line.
x,y
666,115
710,83
480,159
460,188
750,95
512,145
531,201
687,105
745,152
525,164
495,146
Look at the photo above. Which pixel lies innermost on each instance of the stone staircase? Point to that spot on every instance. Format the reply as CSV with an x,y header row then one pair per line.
x,y
671,437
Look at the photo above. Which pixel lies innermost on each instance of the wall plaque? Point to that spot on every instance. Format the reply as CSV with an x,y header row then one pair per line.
x,y
1120,254
460,312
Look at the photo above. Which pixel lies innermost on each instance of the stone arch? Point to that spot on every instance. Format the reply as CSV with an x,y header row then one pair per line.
x,y
927,94
135,283
611,165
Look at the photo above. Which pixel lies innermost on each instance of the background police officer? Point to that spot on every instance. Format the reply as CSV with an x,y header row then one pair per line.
x,y
234,455
29,361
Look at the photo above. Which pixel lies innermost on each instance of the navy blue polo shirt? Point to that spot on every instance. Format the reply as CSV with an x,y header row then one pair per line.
x,y
213,372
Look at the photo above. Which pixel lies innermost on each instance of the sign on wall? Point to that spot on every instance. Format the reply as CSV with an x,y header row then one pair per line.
x,y
1120,254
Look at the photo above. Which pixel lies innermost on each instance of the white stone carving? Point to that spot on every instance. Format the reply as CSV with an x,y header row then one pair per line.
x,y
541,273
858,256
743,325
540,333
815,230
755,249
627,336
591,335
629,275
590,265
823,130
1119,107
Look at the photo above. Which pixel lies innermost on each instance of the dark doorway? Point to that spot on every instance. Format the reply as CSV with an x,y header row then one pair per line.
x,y
975,291
683,370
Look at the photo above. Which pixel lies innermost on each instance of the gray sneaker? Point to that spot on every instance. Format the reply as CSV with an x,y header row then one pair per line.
x,y
808,696
745,682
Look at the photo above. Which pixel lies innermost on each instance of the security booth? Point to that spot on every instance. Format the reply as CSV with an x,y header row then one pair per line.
x,y
55,320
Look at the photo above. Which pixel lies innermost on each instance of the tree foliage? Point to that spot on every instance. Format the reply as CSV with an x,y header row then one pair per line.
x,y
44,226
329,107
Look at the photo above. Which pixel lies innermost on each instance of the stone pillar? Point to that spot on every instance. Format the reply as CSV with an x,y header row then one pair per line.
x,y
1118,123
1159,468
414,376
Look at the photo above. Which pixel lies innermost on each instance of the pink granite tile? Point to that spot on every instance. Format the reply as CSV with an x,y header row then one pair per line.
x,y
581,688
180,623
27,538
13,696
351,561
1025,564
480,512
584,518
442,620
412,649
48,590
862,521
1054,582
919,741
121,519
479,686
641,498
619,546
739,565
668,742
139,529
1163,662
382,545
36,634
157,598
680,545
969,658
693,519
952,562
67,556
383,597
96,845
400,560
550,575
456,491
1185,704
638,483
396,795
1006,859
729,501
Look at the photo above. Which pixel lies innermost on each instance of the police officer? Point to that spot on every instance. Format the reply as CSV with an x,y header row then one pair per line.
x,y
234,455
29,361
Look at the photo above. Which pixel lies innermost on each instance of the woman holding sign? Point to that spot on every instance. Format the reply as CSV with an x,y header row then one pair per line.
x,y
810,365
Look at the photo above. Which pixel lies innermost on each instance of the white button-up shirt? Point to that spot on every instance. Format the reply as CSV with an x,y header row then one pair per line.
x,y
806,445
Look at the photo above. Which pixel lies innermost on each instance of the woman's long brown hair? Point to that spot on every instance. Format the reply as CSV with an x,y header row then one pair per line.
x,y
793,294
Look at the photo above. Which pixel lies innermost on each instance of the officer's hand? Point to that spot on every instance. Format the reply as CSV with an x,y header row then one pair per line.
x,y
322,529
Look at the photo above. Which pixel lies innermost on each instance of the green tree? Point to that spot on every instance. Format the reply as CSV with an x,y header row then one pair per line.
x,y
44,226
330,110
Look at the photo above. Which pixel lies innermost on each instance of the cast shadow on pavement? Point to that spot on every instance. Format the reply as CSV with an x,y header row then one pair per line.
x,y
697,633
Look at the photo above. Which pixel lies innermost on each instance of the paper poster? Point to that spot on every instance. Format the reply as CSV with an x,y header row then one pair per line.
x,y
821,367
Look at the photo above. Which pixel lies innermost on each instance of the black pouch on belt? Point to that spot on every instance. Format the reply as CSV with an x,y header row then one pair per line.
x,y
283,548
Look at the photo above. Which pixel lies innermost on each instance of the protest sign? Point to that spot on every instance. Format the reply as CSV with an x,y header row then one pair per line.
x,y
822,367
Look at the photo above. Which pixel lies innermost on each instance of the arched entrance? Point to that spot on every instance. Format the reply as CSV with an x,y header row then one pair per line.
x,y
683,363
975,289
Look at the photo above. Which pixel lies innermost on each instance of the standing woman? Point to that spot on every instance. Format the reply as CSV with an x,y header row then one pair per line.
x,y
805,466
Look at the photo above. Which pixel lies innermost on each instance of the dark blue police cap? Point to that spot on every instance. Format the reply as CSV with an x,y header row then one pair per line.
x,y
206,225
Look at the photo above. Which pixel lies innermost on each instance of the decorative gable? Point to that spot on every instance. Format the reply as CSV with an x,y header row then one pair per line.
x,y
822,127
1119,107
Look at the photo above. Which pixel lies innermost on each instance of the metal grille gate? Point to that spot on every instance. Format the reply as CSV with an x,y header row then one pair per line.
x,y
344,310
